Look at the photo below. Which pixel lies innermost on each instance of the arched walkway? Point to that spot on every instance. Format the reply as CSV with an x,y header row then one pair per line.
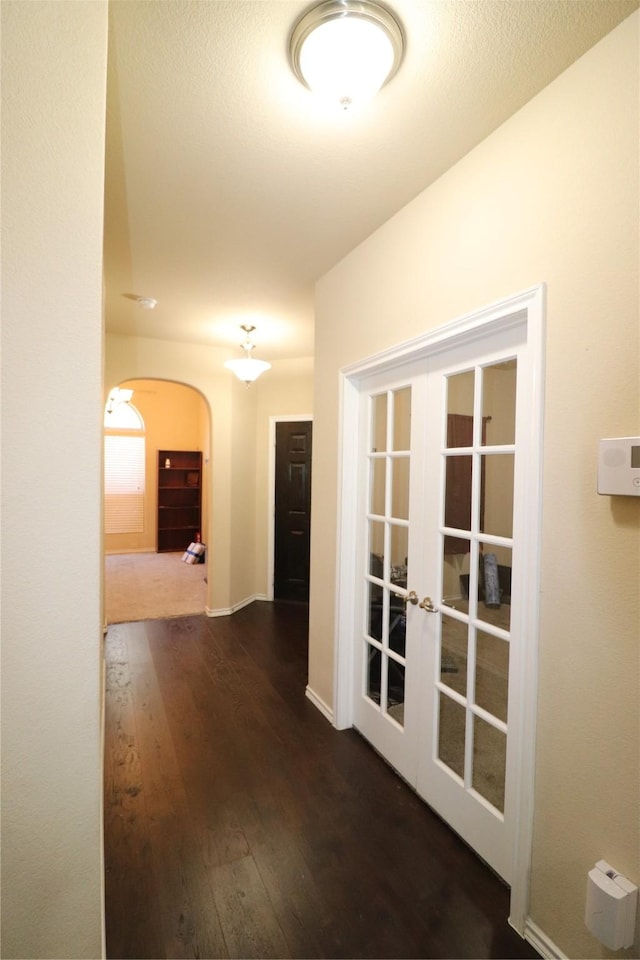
x,y
139,582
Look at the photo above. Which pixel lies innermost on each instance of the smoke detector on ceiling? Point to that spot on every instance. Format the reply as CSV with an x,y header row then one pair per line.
x,y
147,302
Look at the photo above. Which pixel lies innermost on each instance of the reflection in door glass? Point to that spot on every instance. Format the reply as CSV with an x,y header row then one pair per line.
x,y
376,548
374,672
457,493
455,572
460,409
453,654
492,674
400,488
378,472
374,607
489,761
402,419
451,733
395,690
494,592
497,495
397,625
379,423
399,554
499,402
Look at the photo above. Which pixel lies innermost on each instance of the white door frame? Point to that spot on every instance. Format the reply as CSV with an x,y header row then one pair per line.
x,y
528,307
271,493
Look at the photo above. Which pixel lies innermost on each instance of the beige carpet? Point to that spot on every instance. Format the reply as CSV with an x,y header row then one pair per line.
x,y
151,586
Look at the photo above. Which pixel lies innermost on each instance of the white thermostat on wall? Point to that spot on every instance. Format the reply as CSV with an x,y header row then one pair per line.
x,y
619,466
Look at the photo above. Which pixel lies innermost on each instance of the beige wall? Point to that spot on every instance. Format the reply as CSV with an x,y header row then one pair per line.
x,y
175,418
131,358
286,391
551,196
236,487
243,503
53,109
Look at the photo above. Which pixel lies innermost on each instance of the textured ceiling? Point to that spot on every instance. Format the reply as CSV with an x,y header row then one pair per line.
x,y
229,191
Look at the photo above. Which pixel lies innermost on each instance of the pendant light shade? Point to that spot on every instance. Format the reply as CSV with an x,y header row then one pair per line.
x,y
345,50
247,368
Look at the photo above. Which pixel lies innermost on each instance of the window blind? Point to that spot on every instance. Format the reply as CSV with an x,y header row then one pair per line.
x,y
124,480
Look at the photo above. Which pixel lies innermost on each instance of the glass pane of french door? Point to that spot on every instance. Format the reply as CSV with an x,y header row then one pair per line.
x,y
476,533
470,622
387,657
387,549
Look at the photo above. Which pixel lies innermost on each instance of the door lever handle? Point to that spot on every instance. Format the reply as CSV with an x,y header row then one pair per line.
x,y
411,597
427,604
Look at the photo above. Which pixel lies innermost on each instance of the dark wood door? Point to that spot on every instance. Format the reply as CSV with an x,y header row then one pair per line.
x,y
292,510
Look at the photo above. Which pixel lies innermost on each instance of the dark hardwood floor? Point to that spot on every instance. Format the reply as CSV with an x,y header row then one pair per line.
x,y
239,823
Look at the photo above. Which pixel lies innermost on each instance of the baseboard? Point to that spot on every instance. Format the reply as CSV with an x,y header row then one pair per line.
x,y
541,942
118,553
318,702
227,611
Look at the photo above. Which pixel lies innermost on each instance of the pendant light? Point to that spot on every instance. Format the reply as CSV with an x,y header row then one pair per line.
x,y
118,395
247,368
345,50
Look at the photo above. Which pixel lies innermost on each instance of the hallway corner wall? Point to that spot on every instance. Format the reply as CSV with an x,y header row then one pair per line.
x,y
53,137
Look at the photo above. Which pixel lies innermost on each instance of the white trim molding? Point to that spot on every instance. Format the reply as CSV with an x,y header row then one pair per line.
x,y
541,942
139,550
227,611
319,703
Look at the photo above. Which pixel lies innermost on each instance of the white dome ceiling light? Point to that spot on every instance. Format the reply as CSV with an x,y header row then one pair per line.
x,y
247,368
346,50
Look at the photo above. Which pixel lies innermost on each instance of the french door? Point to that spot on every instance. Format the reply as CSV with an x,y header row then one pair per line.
x,y
440,627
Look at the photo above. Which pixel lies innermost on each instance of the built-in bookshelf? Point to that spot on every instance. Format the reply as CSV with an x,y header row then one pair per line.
x,y
179,499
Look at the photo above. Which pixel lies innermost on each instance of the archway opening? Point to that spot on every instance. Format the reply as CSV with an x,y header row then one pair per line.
x,y
157,504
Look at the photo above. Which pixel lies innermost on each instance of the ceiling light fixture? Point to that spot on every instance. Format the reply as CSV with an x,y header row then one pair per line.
x,y
346,50
247,369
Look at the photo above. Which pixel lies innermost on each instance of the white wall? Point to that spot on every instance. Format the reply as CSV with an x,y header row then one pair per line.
x,y
53,90
551,196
